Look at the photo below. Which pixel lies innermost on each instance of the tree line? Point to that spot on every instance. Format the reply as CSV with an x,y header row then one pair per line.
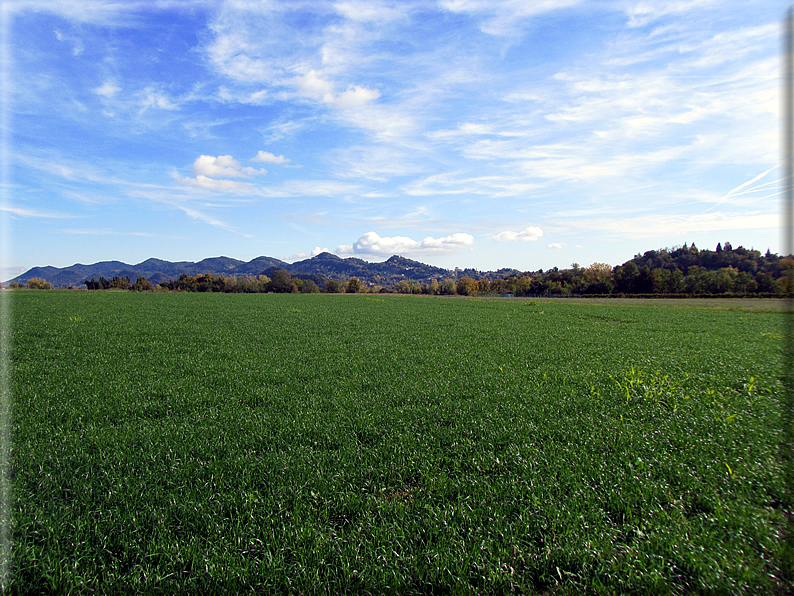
x,y
683,270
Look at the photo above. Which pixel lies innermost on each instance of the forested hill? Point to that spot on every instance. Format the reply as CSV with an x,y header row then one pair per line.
x,y
684,257
155,270
392,270
318,268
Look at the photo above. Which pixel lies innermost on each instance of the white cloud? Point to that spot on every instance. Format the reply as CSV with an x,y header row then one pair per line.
x,y
642,13
451,183
376,161
267,157
373,244
530,234
315,86
109,89
355,96
155,99
208,219
223,166
23,212
364,12
303,255
311,188
556,245
503,16
202,181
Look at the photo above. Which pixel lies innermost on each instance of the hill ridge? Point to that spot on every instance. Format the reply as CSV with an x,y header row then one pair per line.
x,y
323,265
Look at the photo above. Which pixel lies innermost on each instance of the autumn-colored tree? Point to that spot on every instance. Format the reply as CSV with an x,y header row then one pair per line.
x,y
37,283
405,286
598,272
333,286
120,283
353,285
142,285
466,286
599,279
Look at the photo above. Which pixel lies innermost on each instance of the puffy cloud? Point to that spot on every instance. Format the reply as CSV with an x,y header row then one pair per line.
x,y
555,245
202,181
373,244
302,255
530,233
265,156
223,166
354,97
315,86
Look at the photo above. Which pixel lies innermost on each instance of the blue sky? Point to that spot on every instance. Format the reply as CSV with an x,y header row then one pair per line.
x,y
469,133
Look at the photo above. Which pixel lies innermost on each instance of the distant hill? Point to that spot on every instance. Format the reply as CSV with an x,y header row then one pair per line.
x,y
155,270
318,269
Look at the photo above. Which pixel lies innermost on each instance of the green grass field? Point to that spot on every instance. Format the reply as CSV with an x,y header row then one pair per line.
x,y
210,443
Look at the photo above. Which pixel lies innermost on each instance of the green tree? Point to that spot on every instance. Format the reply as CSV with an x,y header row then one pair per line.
x,y
722,280
696,279
447,287
766,284
677,285
281,282
309,287
626,278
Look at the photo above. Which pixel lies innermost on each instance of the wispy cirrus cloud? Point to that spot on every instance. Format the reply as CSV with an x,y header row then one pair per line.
x,y
37,213
503,17
408,117
529,234
202,181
